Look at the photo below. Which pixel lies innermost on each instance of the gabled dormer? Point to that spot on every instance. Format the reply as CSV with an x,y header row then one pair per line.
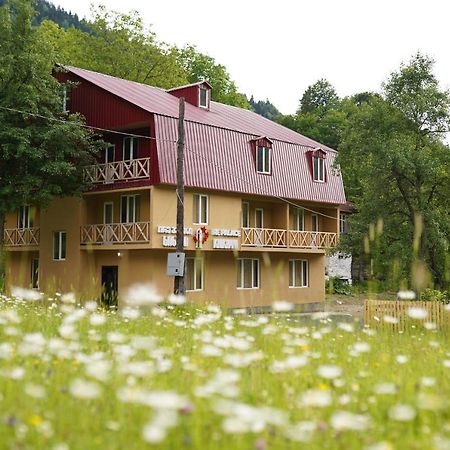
x,y
262,151
197,94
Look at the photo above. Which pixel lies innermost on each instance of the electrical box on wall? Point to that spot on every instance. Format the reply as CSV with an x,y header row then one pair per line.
x,y
175,264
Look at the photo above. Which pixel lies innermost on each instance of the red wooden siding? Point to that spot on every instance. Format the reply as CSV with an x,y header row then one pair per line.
x,y
100,108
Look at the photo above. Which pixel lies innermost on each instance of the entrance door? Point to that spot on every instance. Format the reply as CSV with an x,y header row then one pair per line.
x,y
259,225
109,286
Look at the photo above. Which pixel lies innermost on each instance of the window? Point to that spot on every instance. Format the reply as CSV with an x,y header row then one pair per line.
x,y
59,245
245,215
343,226
314,222
109,154
129,208
298,273
319,168
200,209
194,274
66,99
263,160
35,273
248,273
298,215
203,98
25,217
130,148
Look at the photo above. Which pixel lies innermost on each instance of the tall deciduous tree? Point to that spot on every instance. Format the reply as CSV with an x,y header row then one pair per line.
x,y
42,150
397,168
121,45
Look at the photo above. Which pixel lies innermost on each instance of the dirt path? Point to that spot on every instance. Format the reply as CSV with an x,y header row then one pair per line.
x,y
347,304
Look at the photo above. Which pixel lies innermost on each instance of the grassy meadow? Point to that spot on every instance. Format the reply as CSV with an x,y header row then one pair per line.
x,y
175,377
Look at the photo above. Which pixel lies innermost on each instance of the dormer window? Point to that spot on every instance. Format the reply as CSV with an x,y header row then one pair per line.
x,y
197,94
203,97
263,160
316,162
319,168
262,153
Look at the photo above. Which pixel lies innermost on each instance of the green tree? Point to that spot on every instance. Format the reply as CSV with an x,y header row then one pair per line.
x,y
322,116
42,150
318,98
120,45
396,169
203,67
264,108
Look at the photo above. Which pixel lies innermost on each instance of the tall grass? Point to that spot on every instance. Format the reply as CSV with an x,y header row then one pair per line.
x,y
175,377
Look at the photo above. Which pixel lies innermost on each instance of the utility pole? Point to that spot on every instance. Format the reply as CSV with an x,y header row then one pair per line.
x,y
179,288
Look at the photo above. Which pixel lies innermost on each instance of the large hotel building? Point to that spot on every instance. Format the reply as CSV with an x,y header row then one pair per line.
x,y
262,203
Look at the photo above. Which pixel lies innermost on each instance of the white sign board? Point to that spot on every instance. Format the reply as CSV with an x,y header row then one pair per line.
x,y
172,230
171,241
226,243
230,233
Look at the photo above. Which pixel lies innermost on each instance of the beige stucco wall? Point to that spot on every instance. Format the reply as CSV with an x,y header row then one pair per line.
x,y
220,276
81,271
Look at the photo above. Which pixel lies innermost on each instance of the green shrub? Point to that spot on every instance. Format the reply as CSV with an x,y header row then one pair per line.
x,y
435,295
337,286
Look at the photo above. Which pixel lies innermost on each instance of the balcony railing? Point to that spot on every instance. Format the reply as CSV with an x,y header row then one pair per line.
x,y
133,169
312,239
279,238
21,237
116,233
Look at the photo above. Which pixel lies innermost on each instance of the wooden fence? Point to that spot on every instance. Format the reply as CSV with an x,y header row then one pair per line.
x,y
394,315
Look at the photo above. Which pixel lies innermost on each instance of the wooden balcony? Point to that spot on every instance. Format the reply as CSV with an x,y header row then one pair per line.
x,y
133,169
21,237
116,233
279,238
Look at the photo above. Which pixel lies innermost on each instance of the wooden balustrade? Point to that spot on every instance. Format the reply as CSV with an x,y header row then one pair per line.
x,y
21,237
263,237
133,169
116,233
278,238
312,239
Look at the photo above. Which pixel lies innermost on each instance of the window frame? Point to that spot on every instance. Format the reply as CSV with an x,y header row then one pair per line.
x,y
295,218
343,225
25,217
136,208
200,97
292,271
315,218
61,250
198,265
198,214
264,170
134,147
246,215
319,173
241,272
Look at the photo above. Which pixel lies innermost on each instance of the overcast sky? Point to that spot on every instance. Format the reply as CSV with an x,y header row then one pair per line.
x,y
276,49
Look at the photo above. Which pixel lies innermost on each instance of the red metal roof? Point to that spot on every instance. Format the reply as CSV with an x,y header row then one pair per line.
x,y
159,101
221,159
218,151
